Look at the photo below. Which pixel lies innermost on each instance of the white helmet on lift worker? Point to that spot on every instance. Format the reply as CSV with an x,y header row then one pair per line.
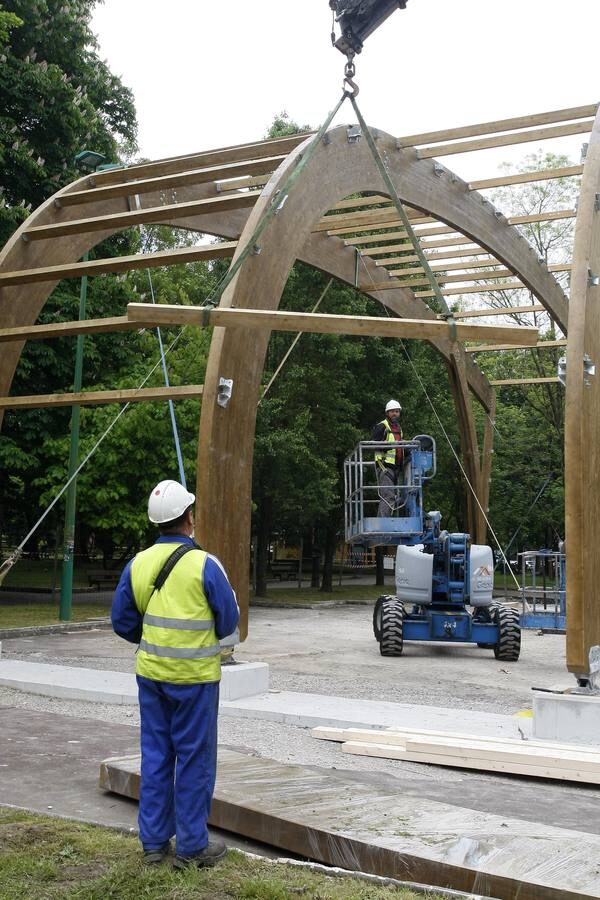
x,y
168,502
393,409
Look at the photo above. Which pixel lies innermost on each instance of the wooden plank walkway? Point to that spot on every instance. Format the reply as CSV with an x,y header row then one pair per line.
x,y
328,816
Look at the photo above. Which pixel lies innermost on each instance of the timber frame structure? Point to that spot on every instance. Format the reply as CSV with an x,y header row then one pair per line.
x,y
341,221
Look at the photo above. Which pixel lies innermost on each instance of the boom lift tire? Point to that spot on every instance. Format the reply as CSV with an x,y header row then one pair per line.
x,y
392,620
377,614
508,647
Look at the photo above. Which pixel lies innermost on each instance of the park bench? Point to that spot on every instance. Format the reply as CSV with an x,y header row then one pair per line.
x,y
284,568
103,578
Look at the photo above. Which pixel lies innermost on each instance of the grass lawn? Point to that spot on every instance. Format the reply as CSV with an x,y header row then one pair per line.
x,y
20,615
43,858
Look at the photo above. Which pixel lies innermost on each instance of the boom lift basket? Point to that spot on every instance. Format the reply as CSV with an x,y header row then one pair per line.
x,y
363,496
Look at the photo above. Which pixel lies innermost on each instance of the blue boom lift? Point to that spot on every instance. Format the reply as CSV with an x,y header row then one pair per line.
x,y
438,574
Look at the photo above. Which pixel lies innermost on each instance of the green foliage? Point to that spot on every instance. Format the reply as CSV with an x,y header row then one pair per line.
x,y
282,125
57,97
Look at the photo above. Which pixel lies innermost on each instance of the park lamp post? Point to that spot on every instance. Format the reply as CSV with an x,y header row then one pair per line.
x,y
89,161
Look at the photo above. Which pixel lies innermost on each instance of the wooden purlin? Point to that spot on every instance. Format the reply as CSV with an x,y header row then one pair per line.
x,y
120,220
492,348
180,255
219,157
499,311
97,398
524,381
499,125
518,137
319,323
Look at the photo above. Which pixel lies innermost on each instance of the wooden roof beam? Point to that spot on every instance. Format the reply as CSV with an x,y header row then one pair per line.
x,y
492,348
487,274
66,329
523,381
317,323
177,179
97,398
544,118
392,235
506,140
217,157
407,245
120,263
525,177
165,213
498,311
389,222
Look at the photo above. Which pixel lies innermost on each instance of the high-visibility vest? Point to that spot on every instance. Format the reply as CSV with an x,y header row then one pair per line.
x,y
387,457
179,643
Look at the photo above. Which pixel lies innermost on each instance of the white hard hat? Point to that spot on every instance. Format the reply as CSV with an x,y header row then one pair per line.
x,y
168,500
392,404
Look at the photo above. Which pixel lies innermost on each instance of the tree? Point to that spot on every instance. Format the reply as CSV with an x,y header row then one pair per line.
x,y
57,97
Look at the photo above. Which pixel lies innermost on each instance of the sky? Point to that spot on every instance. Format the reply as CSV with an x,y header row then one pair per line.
x,y
210,74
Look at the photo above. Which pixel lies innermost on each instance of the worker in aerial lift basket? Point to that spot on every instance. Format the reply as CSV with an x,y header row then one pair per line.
x,y
388,463
175,600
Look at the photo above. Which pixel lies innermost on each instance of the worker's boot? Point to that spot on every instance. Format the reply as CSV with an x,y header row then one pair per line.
x,y
211,854
152,857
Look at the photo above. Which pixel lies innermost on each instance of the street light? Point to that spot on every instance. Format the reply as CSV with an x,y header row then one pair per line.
x,y
89,161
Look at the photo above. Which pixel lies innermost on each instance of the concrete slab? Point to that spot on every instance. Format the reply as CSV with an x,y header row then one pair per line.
x,y
324,815
305,710
310,710
569,718
120,688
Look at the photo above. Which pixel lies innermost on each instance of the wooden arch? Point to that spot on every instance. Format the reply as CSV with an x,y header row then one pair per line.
x,y
187,192
340,167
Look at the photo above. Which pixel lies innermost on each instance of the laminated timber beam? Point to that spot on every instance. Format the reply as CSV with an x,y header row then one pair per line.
x,y
119,220
582,423
175,257
506,140
163,182
321,323
503,382
545,118
498,311
68,329
219,157
97,398
389,220
541,345
473,289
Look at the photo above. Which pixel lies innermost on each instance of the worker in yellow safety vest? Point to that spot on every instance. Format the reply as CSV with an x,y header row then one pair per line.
x,y
175,600
388,463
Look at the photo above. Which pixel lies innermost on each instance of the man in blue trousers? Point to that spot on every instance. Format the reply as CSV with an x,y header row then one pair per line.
x,y
175,600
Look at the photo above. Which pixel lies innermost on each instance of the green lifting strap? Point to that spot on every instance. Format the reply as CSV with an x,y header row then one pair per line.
x,y
444,308
277,202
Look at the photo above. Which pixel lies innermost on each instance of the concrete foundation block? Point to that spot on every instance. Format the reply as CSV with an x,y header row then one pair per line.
x,y
244,680
567,718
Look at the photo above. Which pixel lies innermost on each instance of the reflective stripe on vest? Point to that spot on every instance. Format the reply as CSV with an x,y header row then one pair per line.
x,y
387,457
179,643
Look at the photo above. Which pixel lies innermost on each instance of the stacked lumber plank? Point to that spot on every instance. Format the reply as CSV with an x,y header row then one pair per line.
x,y
510,756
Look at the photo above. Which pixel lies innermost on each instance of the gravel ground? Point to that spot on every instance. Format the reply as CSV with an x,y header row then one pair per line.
x,y
324,651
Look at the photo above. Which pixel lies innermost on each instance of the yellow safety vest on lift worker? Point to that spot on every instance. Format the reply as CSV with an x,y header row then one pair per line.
x,y
179,643
387,457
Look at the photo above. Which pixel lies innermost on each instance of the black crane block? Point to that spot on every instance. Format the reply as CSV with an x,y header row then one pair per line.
x,y
358,19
